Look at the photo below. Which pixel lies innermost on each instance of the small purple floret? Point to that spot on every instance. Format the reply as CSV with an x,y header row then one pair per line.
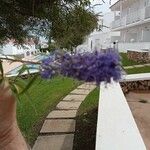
x,y
46,70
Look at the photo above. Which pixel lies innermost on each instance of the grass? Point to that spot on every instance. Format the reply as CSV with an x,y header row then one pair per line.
x,y
90,102
145,69
86,123
44,95
126,61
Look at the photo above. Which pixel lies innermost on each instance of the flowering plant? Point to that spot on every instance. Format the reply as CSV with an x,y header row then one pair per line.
x,y
89,67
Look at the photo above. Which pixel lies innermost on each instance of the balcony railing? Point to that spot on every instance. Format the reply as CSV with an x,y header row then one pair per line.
x,y
116,23
133,17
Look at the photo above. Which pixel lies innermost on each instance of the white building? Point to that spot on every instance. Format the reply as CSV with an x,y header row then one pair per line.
x,y
103,38
132,19
11,49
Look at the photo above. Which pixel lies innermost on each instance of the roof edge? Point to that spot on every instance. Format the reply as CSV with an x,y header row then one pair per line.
x,y
114,3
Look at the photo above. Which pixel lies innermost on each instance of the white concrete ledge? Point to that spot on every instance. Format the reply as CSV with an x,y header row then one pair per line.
x,y
116,128
136,77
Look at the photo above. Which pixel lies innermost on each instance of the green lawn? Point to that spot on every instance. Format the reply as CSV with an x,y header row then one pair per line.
x,y
86,123
90,102
44,95
126,61
138,70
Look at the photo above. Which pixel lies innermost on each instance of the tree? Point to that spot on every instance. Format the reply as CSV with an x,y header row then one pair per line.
x,y
71,28
19,17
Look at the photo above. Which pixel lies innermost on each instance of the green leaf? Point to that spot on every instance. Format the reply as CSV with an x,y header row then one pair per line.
x,y
29,84
21,85
21,71
14,89
1,69
30,101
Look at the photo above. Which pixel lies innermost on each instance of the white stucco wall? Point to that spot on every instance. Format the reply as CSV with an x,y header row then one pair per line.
x,y
101,39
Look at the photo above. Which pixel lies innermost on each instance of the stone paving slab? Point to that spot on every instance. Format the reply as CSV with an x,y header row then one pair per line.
x,y
147,65
72,97
86,86
128,67
81,91
54,142
58,126
138,66
90,83
68,105
62,114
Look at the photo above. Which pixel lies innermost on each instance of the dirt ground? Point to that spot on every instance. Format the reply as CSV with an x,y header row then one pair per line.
x,y
139,103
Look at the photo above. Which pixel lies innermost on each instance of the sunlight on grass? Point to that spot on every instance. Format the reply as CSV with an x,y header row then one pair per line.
x,y
138,70
43,97
90,102
126,61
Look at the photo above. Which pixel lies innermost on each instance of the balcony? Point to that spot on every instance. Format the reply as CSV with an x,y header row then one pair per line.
x,y
131,18
116,23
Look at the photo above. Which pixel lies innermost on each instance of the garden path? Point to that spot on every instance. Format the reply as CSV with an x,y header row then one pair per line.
x,y
136,66
57,132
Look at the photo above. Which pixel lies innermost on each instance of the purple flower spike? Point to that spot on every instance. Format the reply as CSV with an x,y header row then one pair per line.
x,y
46,74
46,69
88,67
92,66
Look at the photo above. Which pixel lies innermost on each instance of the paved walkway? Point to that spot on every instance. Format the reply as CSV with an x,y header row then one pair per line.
x,y
140,106
57,132
136,66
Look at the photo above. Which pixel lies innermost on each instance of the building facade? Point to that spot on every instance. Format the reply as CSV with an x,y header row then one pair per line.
x,y
103,37
132,19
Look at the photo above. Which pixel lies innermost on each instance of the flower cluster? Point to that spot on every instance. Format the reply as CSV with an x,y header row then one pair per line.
x,y
88,67
46,68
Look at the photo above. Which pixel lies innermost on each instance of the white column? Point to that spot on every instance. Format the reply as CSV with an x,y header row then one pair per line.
x,y
142,35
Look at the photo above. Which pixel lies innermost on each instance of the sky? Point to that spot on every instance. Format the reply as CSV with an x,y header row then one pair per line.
x,y
103,8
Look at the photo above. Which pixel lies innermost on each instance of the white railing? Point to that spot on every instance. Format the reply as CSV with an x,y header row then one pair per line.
x,y
116,128
133,17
